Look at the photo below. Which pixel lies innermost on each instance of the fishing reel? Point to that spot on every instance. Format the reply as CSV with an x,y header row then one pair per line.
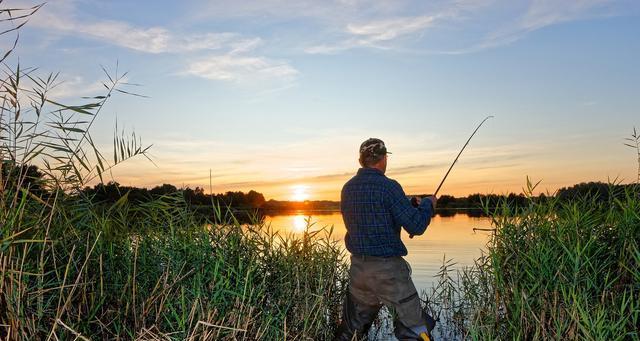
x,y
414,202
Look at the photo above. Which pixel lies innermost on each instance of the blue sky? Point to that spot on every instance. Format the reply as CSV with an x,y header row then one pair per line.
x,y
277,95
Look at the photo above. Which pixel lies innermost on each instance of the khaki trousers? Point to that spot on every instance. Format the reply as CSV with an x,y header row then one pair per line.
x,y
377,281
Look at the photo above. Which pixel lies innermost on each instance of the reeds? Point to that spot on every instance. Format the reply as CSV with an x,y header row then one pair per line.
x,y
634,142
76,271
554,270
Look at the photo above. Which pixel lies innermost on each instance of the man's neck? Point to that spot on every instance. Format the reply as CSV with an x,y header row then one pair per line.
x,y
376,168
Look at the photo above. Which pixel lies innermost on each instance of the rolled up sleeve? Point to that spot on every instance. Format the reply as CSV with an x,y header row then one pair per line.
x,y
413,219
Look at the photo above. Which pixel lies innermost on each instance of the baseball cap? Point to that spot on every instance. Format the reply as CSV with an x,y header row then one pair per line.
x,y
373,147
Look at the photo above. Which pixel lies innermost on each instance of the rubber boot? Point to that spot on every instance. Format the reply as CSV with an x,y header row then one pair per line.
x,y
404,333
356,319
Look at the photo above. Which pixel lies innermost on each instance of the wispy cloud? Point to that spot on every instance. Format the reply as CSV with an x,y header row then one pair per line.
x,y
388,29
465,18
240,68
339,25
543,13
540,14
229,56
74,87
375,33
328,11
62,18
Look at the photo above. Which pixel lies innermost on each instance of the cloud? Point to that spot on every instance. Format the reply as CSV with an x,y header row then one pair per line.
x,y
240,68
415,168
75,87
275,10
327,178
373,33
149,40
540,14
480,25
543,13
388,29
229,56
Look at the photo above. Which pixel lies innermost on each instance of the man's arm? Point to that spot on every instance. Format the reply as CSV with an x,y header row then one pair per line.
x,y
413,219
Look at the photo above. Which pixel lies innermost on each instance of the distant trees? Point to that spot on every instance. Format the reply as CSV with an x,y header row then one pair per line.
x,y
255,199
164,189
22,176
477,200
112,191
446,200
597,191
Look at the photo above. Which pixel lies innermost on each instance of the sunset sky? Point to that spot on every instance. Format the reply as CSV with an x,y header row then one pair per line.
x,y
276,96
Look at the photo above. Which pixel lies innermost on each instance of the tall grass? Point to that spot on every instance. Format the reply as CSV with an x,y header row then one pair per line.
x,y
633,141
554,270
78,271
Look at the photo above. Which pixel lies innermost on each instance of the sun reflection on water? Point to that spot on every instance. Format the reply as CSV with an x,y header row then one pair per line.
x,y
299,223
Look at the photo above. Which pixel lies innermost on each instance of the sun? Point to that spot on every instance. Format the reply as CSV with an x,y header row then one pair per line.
x,y
300,193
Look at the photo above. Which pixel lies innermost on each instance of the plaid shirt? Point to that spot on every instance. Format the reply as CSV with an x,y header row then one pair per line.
x,y
374,209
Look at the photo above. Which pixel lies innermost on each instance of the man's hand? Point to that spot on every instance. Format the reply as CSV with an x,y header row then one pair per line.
x,y
415,202
434,200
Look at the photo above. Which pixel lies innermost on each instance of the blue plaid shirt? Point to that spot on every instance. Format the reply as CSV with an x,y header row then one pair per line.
x,y
374,209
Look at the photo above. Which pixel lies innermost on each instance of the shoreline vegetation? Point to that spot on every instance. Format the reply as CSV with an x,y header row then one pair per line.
x,y
554,270
76,268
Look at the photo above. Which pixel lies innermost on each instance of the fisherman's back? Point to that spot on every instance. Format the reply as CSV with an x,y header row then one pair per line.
x,y
365,206
374,209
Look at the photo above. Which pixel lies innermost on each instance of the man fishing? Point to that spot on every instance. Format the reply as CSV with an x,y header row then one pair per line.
x,y
374,209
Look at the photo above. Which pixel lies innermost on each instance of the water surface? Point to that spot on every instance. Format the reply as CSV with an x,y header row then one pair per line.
x,y
447,236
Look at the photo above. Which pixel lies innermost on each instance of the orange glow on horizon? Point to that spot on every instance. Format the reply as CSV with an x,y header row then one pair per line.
x,y
478,172
300,193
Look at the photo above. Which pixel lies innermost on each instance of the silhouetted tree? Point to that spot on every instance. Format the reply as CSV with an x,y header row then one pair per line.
x,y
594,190
163,190
25,176
255,199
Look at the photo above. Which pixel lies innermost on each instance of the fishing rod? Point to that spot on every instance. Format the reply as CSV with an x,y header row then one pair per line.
x,y
414,200
461,150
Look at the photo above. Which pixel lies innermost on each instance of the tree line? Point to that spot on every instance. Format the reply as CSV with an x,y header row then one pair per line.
x,y
111,192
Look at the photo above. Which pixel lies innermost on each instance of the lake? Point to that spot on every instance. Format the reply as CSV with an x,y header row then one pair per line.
x,y
450,236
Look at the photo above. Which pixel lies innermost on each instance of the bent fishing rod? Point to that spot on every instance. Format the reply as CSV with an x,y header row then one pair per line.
x,y
414,200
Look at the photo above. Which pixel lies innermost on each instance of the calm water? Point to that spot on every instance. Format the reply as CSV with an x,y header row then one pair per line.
x,y
452,237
